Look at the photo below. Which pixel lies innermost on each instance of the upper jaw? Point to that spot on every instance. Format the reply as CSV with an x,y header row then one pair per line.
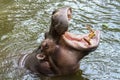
x,y
60,19
78,41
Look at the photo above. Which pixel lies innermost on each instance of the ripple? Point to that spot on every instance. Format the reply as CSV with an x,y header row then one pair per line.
x,y
23,23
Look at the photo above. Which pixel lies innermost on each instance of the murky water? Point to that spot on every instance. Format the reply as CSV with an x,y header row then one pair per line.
x,y
23,23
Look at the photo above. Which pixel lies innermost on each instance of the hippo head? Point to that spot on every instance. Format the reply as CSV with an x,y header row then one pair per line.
x,y
59,28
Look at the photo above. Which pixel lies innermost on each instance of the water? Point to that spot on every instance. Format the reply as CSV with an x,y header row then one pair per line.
x,y
23,23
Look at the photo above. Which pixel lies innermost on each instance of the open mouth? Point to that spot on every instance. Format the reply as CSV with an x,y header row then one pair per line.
x,y
84,41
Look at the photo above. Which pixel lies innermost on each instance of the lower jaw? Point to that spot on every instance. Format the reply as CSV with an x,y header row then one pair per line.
x,y
80,41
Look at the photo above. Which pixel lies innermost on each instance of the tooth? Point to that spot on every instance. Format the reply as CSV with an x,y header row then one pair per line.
x,y
87,40
90,36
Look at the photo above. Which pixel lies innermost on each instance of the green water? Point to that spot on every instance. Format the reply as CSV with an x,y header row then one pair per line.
x,y
23,23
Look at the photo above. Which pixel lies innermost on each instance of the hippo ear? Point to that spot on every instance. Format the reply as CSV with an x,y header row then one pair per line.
x,y
40,56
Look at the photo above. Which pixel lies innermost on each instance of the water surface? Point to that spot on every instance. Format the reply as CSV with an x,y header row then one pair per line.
x,y
24,22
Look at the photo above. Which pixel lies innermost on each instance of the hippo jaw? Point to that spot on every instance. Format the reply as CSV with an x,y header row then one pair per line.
x,y
78,41
59,21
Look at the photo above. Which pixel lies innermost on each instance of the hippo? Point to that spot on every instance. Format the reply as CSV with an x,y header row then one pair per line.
x,y
61,51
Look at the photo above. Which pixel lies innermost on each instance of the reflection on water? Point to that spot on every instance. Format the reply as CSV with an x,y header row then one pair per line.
x,y
23,23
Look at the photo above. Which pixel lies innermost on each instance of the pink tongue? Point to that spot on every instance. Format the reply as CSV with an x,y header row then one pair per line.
x,y
78,41
75,37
